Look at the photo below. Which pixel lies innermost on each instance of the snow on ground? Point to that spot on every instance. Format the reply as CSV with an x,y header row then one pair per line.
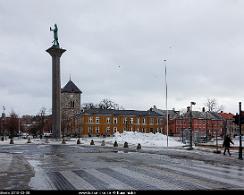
x,y
146,139
133,138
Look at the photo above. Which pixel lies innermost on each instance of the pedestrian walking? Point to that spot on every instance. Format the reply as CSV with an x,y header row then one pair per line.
x,y
226,144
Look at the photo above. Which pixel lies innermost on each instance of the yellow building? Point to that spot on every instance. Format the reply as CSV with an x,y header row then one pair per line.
x,y
105,122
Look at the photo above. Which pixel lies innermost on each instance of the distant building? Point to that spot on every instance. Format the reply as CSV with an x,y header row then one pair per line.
x,y
229,126
203,123
172,116
99,122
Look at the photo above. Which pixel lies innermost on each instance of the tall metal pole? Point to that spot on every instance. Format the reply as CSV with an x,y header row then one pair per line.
x,y
166,103
191,126
190,148
240,135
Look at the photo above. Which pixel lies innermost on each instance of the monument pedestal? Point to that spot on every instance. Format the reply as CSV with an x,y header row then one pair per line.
x,y
56,54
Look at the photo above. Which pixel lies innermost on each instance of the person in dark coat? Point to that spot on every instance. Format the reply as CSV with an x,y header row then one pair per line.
x,y
226,144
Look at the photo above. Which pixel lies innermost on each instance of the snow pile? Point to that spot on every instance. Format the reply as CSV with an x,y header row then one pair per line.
x,y
146,139
133,138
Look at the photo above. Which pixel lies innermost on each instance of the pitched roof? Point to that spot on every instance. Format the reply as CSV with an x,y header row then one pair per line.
x,y
98,111
203,115
227,116
171,113
70,87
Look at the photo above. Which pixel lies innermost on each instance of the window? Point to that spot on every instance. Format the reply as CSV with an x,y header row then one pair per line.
x,y
131,120
72,104
97,120
108,130
90,120
143,121
108,120
97,130
151,121
125,120
138,121
114,129
157,121
115,120
90,130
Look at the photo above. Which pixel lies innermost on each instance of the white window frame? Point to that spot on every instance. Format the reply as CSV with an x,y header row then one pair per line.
x,y
144,121
97,120
97,130
90,130
138,121
115,120
108,120
90,120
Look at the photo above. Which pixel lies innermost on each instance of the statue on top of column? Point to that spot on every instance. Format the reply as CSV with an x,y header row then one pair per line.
x,y
55,35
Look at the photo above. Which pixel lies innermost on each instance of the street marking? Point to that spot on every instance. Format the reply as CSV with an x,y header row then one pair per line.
x,y
60,182
137,184
112,182
158,183
96,182
78,182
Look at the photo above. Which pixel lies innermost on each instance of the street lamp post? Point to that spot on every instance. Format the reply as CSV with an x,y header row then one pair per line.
x,y
240,135
192,103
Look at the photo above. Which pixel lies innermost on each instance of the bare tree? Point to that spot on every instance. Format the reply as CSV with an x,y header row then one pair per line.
x,y
104,104
108,104
42,114
213,106
87,106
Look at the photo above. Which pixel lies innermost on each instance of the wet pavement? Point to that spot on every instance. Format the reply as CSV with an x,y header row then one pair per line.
x,y
76,167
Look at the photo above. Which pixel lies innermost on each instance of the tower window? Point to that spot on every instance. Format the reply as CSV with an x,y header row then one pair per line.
x,y
72,104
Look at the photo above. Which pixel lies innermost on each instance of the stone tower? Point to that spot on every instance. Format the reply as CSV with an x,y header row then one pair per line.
x,y
70,105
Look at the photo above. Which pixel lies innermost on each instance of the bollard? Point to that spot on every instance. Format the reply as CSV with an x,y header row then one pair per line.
x,y
103,143
138,146
63,141
115,144
126,145
46,141
78,141
29,140
11,141
92,142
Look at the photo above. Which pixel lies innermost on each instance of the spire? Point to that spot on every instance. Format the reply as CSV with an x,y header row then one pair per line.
x,y
70,77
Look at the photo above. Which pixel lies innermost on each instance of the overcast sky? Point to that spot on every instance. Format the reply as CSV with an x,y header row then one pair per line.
x,y
115,50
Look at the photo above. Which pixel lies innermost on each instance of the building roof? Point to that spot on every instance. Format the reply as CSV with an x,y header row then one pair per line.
x,y
70,87
227,116
171,113
99,111
203,115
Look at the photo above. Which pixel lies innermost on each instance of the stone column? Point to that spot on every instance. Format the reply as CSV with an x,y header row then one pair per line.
x,y
56,53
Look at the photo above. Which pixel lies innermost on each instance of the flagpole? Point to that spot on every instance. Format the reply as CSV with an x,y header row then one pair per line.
x,y
166,104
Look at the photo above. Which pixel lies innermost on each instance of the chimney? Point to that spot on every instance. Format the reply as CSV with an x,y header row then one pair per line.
x,y
203,109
